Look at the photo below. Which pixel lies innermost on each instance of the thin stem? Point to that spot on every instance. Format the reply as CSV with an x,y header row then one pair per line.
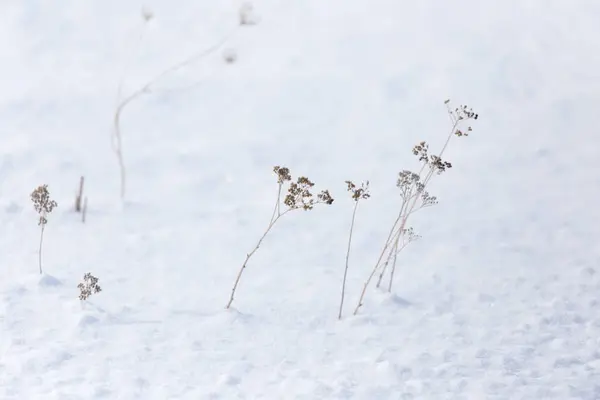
x,y
133,54
401,217
84,211
117,143
384,269
394,267
79,195
404,203
277,209
40,249
396,252
385,247
347,258
274,219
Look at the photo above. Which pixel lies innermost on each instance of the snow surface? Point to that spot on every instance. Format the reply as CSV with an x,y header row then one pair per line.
x,y
499,300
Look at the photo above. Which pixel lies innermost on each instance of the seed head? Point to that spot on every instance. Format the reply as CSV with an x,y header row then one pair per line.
x,y
42,203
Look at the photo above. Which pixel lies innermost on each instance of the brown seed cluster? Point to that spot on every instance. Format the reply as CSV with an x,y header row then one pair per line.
x,y
42,203
283,174
88,287
438,165
421,150
462,113
325,197
358,193
299,195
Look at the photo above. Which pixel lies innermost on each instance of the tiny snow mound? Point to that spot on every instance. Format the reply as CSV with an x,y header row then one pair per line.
x,y
49,281
87,320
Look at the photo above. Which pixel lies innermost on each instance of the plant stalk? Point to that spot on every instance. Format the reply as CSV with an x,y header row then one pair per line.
x,y
347,259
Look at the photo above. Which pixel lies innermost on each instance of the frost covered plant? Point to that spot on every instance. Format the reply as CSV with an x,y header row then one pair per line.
x,y
43,206
414,196
88,287
357,194
298,196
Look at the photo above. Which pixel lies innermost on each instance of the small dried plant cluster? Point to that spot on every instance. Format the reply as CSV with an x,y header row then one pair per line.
x,y
88,287
298,196
43,205
357,194
414,197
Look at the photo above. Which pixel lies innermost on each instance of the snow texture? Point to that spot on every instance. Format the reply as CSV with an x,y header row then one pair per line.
x,y
500,299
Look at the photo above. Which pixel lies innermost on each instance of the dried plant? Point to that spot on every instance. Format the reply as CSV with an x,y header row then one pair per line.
x,y
414,197
88,287
122,102
43,206
357,193
79,195
84,210
407,236
298,197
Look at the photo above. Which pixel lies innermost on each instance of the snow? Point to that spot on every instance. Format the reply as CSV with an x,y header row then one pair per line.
x,y
500,299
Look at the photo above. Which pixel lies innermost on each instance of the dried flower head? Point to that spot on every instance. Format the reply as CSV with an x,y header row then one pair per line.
x,y
459,114
42,203
427,199
438,164
409,183
88,287
325,197
358,193
421,151
283,174
410,235
299,195
407,178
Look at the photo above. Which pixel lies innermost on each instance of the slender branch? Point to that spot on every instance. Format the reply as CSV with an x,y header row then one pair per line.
x,y
133,54
40,249
385,265
84,211
116,140
277,209
239,275
274,218
385,247
347,258
406,198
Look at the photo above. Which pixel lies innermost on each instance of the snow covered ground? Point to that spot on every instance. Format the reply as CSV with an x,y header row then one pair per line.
x,y
499,300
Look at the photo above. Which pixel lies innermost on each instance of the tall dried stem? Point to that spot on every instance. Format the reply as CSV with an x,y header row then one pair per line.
x,y
357,194
298,197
